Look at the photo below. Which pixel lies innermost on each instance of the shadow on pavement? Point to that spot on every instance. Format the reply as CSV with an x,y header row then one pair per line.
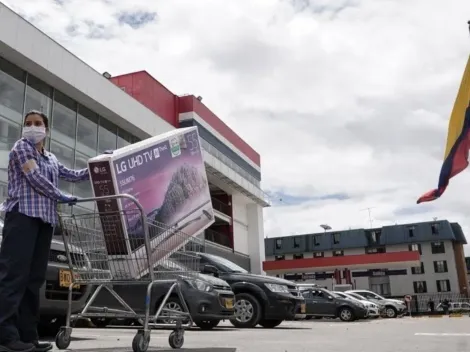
x,y
208,349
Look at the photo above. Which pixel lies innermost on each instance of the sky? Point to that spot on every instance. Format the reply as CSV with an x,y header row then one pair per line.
x,y
347,101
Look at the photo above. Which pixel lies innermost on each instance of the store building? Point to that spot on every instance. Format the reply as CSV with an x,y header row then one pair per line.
x,y
425,257
91,112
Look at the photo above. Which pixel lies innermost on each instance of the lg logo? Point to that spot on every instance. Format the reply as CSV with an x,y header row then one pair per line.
x,y
99,170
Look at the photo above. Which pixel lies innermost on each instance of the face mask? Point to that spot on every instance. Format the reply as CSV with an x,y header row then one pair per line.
x,y
35,134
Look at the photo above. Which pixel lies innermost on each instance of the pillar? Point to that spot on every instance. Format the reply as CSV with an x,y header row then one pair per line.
x,y
255,237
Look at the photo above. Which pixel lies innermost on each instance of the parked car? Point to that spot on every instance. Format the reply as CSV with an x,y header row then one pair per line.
x,y
259,299
373,310
54,293
455,307
209,299
393,307
322,303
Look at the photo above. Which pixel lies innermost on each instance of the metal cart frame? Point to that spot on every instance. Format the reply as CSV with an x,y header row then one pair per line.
x,y
72,231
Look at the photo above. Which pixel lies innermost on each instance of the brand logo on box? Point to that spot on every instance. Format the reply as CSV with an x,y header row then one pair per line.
x,y
175,148
99,170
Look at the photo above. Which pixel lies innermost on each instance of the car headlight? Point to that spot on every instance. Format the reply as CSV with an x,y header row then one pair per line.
x,y
200,285
277,288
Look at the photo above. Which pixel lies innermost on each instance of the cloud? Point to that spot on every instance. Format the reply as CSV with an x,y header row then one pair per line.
x,y
340,97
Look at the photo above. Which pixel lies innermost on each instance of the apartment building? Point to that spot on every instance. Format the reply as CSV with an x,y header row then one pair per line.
x,y
424,257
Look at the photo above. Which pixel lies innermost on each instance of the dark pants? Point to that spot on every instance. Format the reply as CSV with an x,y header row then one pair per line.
x,y
23,264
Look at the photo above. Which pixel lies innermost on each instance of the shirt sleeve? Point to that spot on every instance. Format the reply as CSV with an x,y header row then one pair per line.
x,y
26,156
73,175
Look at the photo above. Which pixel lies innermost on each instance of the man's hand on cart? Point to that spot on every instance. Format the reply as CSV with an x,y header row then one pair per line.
x,y
70,200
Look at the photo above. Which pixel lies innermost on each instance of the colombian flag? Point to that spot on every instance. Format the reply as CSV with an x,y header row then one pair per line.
x,y
458,139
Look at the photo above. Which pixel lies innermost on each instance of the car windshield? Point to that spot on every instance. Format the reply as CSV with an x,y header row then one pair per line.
x,y
172,265
355,295
225,265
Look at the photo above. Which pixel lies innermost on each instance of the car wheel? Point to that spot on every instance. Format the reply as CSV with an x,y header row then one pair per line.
x,y
308,317
318,318
247,311
346,314
270,323
391,312
207,324
100,323
173,303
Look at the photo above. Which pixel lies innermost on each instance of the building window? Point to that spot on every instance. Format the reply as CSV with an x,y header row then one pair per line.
x,y
64,119
12,89
438,248
66,156
420,287
415,247
124,139
82,189
435,229
336,237
443,285
87,131
296,242
440,266
418,270
375,250
278,243
318,254
316,240
107,136
373,237
338,253
411,231
9,134
298,256
279,257
38,96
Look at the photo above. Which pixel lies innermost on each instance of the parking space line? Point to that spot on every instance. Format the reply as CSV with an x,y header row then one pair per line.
x,y
442,334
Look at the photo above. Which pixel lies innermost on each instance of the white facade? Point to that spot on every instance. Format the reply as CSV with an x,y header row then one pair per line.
x,y
34,52
400,285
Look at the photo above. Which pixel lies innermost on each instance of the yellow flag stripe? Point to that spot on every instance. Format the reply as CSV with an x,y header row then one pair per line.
x,y
457,117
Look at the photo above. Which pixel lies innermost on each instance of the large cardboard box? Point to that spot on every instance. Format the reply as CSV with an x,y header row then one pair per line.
x,y
166,174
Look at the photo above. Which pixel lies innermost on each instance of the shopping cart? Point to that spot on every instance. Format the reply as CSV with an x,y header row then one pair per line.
x,y
99,255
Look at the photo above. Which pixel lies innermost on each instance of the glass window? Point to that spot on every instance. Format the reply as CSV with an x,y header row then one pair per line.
x,y
107,136
64,119
38,96
87,131
9,133
124,139
11,91
438,248
82,189
66,156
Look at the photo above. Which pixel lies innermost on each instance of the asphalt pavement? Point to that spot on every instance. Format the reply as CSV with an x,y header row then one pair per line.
x,y
384,335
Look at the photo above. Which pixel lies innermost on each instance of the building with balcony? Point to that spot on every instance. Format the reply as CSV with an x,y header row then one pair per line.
x,y
90,112
425,257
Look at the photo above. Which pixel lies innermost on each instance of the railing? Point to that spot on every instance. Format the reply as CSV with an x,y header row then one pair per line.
x,y
420,302
227,161
217,237
221,206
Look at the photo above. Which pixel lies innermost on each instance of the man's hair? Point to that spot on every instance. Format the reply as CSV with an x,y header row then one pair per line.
x,y
45,119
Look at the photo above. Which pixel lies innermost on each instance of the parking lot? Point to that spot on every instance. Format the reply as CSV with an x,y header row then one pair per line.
x,y
405,334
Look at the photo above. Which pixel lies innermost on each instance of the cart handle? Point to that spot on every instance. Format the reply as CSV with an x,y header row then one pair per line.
x,y
110,197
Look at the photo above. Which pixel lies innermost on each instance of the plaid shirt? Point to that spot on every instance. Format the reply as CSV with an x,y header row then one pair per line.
x,y
35,189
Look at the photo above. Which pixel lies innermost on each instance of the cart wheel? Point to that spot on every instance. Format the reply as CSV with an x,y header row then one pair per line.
x,y
62,341
140,343
176,339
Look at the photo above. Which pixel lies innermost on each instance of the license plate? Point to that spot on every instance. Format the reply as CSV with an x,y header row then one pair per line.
x,y
302,308
65,279
229,303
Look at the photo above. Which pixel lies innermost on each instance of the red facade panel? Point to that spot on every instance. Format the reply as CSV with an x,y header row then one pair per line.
x,y
190,103
150,93
341,262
